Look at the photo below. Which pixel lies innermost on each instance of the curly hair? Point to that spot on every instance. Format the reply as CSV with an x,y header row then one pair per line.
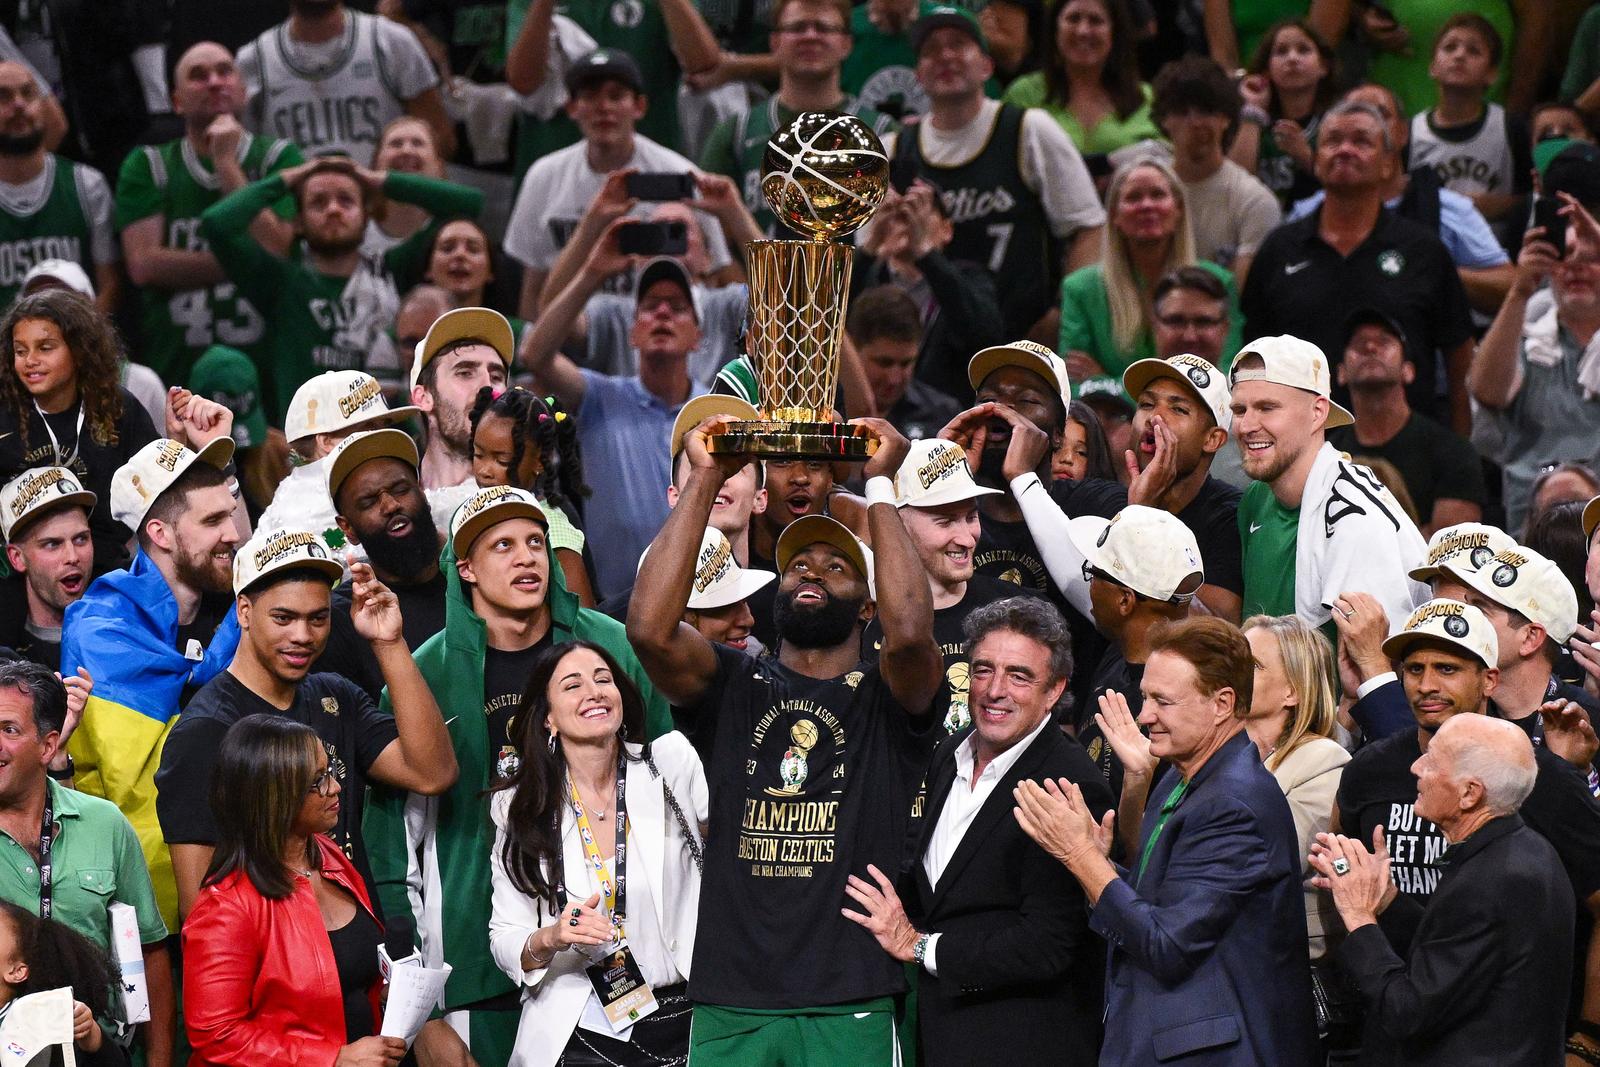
x,y
58,955
553,432
96,353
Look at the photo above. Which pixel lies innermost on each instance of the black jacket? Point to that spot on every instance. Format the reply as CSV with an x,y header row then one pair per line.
x,y
1019,973
1479,976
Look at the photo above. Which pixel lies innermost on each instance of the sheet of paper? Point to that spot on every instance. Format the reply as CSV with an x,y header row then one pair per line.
x,y
414,991
35,1023
130,957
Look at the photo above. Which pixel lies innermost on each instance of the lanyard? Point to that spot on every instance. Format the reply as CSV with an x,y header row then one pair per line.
x,y
1167,808
613,896
47,833
55,445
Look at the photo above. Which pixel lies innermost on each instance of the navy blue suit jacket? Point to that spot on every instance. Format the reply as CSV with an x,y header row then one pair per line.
x,y
1208,962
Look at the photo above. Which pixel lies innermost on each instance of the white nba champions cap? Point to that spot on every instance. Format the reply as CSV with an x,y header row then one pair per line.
x,y
279,550
1526,582
1450,622
1029,355
718,578
1470,544
1145,549
337,400
1201,378
38,490
489,507
809,530
1287,360
935,472
153,469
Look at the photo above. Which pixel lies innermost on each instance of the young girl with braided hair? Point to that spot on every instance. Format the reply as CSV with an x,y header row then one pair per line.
x,y
41,954
523,440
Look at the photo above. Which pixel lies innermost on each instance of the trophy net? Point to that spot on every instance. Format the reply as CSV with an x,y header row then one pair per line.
x,y
798,295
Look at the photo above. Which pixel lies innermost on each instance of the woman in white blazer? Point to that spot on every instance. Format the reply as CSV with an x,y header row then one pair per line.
x,y
554,884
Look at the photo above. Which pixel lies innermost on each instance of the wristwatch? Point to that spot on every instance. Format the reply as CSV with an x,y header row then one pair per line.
x,y
919,952
63,775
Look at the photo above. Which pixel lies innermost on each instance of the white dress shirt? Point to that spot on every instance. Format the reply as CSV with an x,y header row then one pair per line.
x,y
961,805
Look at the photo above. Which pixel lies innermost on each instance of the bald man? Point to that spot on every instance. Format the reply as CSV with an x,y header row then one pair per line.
x,y
187,304
50,207
1479,974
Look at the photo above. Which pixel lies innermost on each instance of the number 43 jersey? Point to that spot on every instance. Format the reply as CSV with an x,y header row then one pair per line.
x,y
174,183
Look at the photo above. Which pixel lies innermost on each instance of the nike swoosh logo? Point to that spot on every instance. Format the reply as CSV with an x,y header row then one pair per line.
x,y
1296,268
1254,526
451,719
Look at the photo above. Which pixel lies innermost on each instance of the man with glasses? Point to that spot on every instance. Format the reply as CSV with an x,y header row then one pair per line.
x,y
810,40
282,581
623,422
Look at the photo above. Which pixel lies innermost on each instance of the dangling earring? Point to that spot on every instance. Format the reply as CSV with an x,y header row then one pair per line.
x,y
552,744
622,734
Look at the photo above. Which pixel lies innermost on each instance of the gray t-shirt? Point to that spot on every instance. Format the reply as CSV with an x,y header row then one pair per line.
x,y
1231,213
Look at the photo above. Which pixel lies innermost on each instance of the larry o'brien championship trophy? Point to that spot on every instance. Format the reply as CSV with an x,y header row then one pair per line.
x,y
823,175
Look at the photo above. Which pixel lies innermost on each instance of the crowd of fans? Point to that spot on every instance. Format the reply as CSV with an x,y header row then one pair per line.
x,y
1203,668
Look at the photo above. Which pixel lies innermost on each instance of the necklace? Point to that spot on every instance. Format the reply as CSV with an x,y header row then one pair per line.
x,y
304,874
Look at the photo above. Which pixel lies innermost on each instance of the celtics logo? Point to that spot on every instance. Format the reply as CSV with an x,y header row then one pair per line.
x,y
803,737
958,717
1480,555
1391,263
1199,377
627,13
508,763
1455,626
1504,575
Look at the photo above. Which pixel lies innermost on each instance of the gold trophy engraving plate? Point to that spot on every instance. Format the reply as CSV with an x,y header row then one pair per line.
x,y
823,175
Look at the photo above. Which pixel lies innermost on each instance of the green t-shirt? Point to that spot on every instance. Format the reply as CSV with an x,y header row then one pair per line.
x,y
1267,533
632,26
1407,76
881,69
172,181
1108,135
319,322
1086,321
1583,62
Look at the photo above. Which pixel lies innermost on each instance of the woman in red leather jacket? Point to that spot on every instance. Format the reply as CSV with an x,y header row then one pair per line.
x,y
280,954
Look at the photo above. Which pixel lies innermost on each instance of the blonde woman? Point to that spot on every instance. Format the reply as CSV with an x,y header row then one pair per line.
x,y
1106,308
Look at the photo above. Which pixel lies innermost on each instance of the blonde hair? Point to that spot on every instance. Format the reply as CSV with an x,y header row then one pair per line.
x,y
1128,297
1308,665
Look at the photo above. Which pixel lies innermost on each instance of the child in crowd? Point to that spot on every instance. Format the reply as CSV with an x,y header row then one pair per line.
x,y
1292,80
1476,147
530,443
41,954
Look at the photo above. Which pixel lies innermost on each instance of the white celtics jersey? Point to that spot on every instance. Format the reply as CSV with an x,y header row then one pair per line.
x,y
334,97
1479,163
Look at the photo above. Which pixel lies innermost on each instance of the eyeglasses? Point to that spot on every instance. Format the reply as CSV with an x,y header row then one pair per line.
x,y
326,782
676,305
1191,322
825,29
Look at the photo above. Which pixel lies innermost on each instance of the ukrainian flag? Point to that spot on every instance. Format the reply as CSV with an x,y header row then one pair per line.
x,y
124,632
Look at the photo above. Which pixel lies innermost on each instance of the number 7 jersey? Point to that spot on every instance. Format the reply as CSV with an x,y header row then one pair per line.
x,y
172,181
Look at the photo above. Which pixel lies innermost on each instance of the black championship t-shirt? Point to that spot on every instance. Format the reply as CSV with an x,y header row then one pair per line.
x,y
1213,517
1118,675
349,723
1378,789
811,780
947,624
93,462
349,654
194,637
505,676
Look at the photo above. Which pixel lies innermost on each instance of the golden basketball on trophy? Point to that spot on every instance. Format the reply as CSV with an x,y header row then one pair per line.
x,y
823,175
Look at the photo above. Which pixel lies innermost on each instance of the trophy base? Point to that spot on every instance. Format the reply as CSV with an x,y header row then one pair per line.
x,y
831,441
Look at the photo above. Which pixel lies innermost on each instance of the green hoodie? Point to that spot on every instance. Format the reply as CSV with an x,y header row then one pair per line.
x,y
452,663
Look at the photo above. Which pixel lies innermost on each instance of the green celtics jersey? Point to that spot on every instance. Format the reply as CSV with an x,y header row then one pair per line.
x,y
318,322
1268,532
632,26
737,145
173,182
63,213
